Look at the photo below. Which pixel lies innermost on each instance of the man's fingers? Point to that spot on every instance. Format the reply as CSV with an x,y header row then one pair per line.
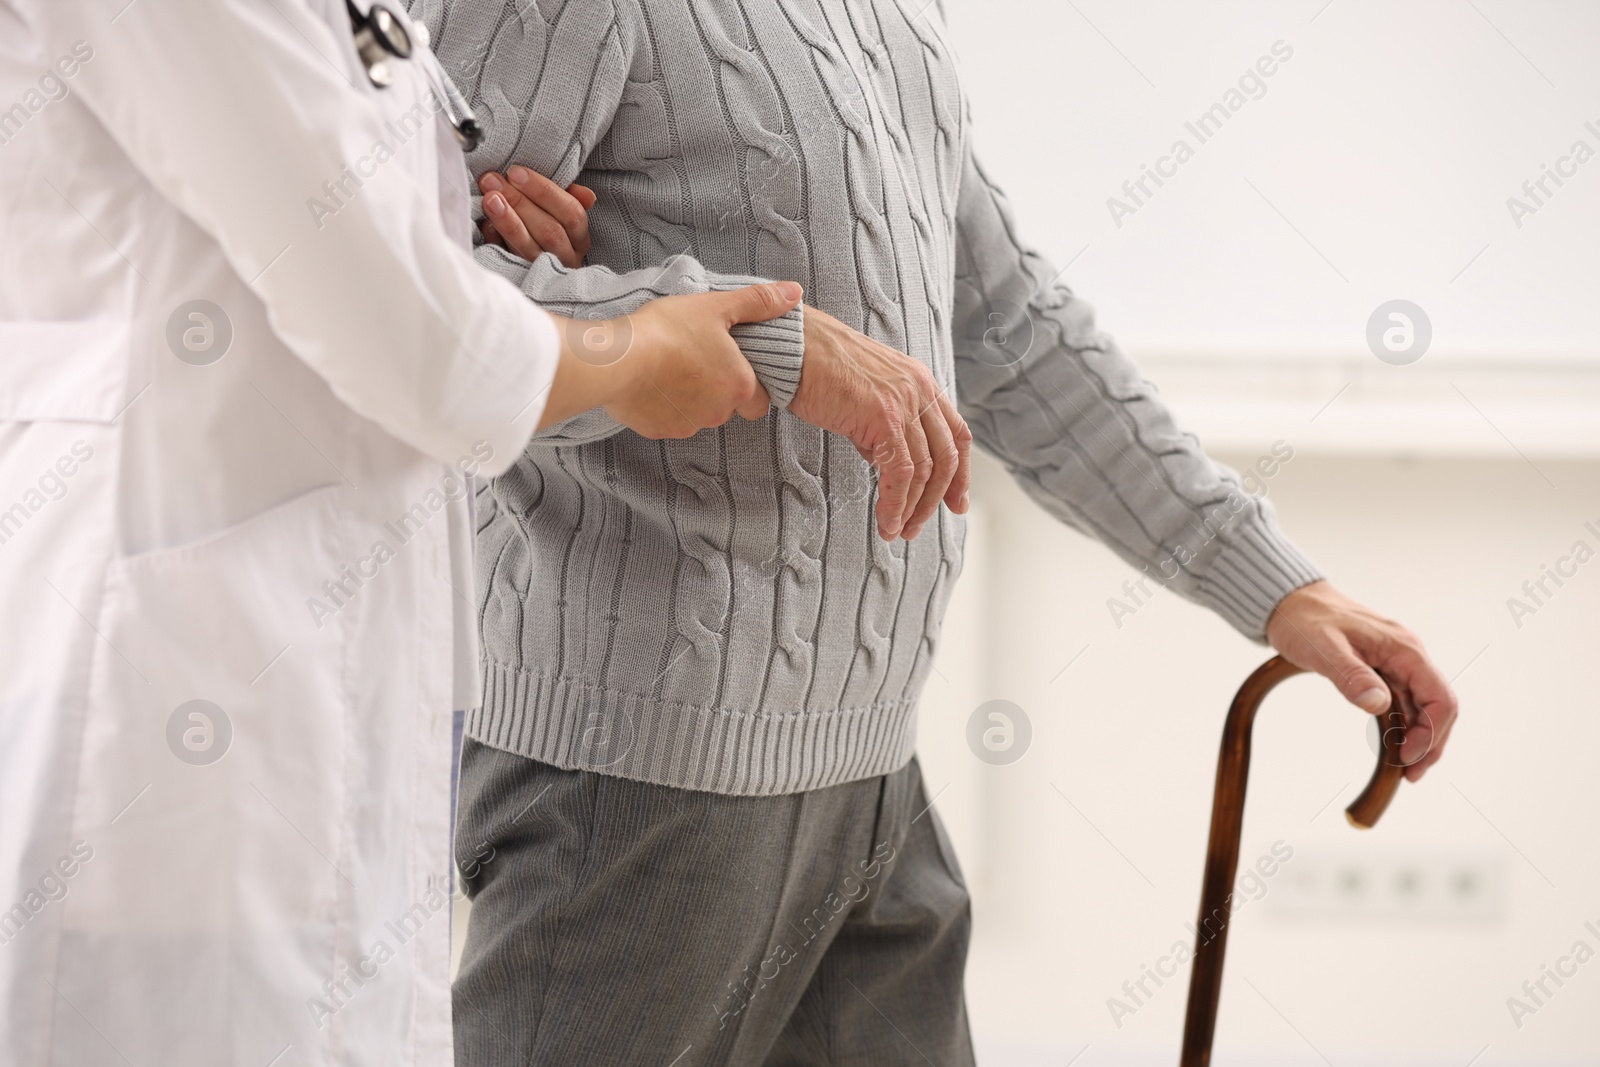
x,y
757,303
895,470
942,450
1439,737
889,404
956,495
1321,629
921,468
1401,658
1404,660
1430,706
1331,655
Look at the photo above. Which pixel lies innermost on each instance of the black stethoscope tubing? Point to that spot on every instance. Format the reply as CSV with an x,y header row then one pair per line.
x,y
383,34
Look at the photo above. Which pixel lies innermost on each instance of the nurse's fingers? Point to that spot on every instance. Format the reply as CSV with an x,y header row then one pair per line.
x,y
564,208
529,230
756,405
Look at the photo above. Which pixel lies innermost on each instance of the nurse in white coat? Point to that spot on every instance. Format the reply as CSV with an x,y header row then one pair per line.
x,y
244,375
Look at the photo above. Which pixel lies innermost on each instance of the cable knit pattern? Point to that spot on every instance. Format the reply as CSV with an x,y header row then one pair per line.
x,y
718,613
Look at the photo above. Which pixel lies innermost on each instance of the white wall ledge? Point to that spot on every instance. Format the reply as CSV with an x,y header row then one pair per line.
x,y
1342,402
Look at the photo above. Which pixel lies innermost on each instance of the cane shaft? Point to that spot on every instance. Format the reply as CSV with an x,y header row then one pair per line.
x,y
1222,850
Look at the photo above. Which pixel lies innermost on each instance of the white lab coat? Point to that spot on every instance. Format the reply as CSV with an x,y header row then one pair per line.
x,y
275,532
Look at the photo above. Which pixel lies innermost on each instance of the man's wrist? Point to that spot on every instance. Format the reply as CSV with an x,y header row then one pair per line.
x,y
1277,617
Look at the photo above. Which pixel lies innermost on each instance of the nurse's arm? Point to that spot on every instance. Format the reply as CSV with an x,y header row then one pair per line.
x,y
242,114
677,370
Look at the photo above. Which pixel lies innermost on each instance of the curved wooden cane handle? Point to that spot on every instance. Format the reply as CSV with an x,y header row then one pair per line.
x,y
1227,819
1365,810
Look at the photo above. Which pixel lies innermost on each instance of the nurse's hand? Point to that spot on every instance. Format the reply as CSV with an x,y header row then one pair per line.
x,y
531,215
670,369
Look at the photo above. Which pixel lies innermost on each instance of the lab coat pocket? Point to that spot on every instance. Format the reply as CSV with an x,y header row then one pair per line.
x,y
217,718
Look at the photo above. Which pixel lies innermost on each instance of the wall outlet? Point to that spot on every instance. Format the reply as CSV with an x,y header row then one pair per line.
x,y
1363,885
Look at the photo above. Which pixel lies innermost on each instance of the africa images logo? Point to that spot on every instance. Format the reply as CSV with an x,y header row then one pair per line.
x,y
199,732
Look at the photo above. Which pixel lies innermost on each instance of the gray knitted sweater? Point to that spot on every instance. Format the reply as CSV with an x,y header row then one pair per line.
x,y
718,613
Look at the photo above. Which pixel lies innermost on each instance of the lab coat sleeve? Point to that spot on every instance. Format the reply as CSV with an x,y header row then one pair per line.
x,y
1084,434
238,111
546,88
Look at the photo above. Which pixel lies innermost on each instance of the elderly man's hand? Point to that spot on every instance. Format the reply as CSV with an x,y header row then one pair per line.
x,y
1320,629
896,415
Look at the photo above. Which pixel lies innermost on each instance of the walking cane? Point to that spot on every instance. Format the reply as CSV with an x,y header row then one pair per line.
x,y
1222,851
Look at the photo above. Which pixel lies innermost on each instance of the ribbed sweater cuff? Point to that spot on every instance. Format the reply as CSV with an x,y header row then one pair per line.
x,y
577,726
1254,569
775,350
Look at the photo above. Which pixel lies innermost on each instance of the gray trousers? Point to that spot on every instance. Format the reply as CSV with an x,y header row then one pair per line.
x,y
617,922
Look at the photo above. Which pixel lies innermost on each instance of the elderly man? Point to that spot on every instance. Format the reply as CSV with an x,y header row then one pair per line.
x,y
691,819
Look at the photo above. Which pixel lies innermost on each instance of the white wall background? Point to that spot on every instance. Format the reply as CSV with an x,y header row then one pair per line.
x,y
1377,165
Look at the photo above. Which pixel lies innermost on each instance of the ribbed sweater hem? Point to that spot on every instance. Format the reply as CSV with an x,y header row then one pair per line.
x,y
776,351
574,725
1256,569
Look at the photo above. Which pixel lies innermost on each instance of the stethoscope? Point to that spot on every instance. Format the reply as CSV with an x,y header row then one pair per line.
x,y
383,35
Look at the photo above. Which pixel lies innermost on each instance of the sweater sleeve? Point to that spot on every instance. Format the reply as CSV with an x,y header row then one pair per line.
x,y
545,81
1069,415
